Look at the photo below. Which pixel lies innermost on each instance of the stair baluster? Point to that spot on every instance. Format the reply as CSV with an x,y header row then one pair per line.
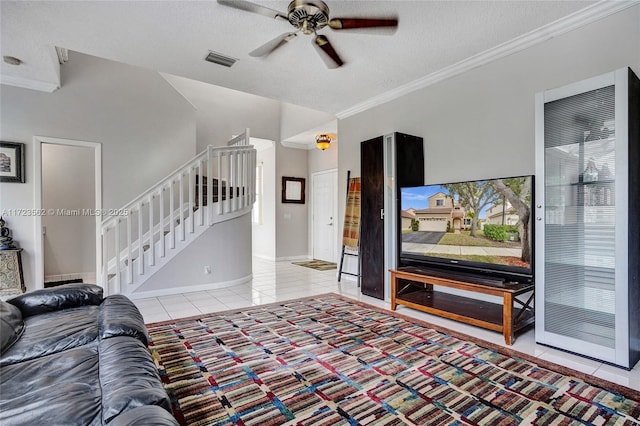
x,y
161,221
229,182
129,259
172,216
117,250
191,201
200,199
152,251
210,185
140,242
220,188
181,208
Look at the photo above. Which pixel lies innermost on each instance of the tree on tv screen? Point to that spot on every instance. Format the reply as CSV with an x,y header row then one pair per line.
x,y
517,192
477,195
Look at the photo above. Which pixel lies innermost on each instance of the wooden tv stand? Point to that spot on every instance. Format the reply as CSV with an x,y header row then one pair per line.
x,y
414,287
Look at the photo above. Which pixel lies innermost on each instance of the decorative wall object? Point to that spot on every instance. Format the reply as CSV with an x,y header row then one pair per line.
x,y
292,190
11,162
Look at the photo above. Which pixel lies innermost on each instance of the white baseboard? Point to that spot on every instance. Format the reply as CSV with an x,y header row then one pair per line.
x,y
281,259
189,288
265,257
87,277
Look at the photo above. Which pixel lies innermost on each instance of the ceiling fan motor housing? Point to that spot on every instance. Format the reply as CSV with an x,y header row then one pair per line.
x,y
308,15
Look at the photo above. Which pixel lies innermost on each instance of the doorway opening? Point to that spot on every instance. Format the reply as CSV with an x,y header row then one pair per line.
x,y
69,195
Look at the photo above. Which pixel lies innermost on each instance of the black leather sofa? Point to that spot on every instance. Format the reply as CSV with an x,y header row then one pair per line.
x,y
71,357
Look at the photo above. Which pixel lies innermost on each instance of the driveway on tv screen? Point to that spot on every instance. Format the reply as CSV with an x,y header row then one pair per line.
x,y
423,237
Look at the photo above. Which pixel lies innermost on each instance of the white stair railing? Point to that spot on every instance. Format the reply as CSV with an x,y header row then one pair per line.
x,y
216,185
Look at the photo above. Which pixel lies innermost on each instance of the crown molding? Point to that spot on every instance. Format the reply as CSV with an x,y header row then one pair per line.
x,y
570,22
26,83
297,145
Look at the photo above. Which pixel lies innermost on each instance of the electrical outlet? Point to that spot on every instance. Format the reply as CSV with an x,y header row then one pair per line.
x,y
207,269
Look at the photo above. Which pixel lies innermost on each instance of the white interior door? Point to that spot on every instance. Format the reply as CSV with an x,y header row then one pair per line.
x,y
325,207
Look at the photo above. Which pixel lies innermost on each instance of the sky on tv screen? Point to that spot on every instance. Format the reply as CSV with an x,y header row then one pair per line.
x,y
418,197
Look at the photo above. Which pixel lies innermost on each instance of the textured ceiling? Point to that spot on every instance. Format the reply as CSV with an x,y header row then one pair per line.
x,y
174,36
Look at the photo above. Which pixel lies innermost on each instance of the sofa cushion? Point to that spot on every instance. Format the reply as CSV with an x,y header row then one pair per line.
x,y
120,317
57,298
11,325
54,332
59,389
128,377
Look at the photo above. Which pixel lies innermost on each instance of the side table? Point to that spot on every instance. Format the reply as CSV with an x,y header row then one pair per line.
x,y
11,277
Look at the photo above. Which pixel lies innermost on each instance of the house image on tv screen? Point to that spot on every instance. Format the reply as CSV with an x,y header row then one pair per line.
x,y
502,214
441,215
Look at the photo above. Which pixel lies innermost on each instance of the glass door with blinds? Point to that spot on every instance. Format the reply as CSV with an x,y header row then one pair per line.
x,y
581,220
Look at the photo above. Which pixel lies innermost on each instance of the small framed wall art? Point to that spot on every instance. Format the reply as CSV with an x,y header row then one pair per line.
x,y
292,190
11,162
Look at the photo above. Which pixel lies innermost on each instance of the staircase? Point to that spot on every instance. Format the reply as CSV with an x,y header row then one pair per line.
x,y
140,238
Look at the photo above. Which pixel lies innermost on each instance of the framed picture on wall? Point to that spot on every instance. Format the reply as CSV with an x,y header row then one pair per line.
x,y
11,162
292,190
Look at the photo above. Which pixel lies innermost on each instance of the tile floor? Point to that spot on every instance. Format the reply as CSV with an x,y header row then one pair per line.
x,y
278,281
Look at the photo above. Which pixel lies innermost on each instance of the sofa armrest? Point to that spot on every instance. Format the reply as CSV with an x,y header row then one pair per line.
x,y
143,416
11,325
128,378
120,317
57,298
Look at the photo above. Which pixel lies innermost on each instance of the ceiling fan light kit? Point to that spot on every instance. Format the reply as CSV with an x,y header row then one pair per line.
x,y
323,141
308,17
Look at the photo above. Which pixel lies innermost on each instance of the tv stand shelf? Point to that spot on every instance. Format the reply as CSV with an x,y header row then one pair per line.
x,y
414,287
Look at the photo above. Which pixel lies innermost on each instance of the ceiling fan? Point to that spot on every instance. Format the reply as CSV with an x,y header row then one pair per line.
x,y
308,17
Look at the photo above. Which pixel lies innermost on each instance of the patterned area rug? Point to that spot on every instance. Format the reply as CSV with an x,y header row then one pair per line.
x,y
319,265
328,360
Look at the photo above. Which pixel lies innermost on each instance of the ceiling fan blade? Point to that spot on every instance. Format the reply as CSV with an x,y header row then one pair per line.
x,y
328,52
351,23
255,8
272,45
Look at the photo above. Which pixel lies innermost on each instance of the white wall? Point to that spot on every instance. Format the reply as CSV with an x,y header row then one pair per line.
x,y
323,160
223,112
480,124
225,248
146,130
264,235
68,183
291,219
296,119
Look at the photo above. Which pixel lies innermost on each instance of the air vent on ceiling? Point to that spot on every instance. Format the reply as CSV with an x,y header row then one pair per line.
x,y
220,59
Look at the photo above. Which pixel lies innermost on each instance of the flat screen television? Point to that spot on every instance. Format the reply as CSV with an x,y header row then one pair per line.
x,y
480,228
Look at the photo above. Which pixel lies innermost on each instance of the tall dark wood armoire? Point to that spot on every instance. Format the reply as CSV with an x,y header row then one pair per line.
x,y
387,163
